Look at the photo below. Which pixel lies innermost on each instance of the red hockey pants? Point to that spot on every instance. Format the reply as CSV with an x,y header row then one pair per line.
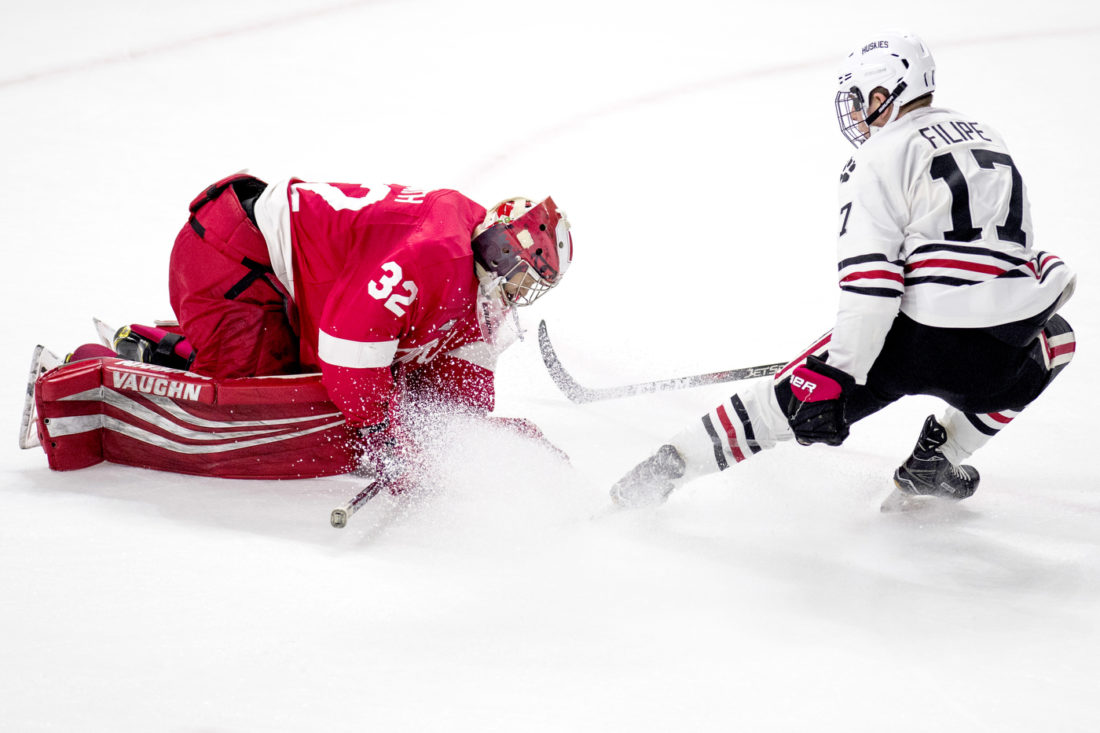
x,y
229,304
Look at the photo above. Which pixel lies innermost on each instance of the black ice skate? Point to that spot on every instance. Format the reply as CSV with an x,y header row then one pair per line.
x,y
651,481
927,472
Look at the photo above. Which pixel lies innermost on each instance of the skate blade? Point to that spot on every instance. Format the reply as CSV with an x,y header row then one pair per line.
x,y
901,501
42,360
105,332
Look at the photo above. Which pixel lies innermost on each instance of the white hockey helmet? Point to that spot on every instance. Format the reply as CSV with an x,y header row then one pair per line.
x,y
898,62
525,244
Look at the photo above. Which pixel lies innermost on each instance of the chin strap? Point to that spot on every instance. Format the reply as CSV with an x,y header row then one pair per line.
x,y
888,102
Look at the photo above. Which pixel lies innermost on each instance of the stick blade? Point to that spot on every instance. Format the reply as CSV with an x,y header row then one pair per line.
x,y
569,387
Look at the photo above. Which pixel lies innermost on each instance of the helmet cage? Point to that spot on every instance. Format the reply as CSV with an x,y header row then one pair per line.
x,y
536,243
851,113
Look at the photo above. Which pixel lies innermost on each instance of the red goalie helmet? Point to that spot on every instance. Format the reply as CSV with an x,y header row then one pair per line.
x,y
527,244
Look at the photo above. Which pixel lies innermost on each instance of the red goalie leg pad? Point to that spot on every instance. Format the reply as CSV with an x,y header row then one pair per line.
x,y
90,351
154,417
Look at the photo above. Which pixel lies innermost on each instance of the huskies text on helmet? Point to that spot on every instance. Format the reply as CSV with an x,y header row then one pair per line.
x,y
899,63
521,236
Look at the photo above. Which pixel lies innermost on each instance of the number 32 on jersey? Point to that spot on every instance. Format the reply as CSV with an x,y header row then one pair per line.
x,y
383,289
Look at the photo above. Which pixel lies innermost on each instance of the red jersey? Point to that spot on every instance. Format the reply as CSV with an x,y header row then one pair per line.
x,y
379,275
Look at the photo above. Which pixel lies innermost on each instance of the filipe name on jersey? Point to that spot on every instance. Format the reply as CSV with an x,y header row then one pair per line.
x,y
952,132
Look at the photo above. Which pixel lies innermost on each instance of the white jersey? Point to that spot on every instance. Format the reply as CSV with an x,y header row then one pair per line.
x,y
935,221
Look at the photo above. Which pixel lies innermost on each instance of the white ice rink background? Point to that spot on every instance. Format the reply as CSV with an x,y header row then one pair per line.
x,y
695,149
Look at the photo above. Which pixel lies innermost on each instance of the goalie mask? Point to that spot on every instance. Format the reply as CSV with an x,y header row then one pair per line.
x,y
899,63
526,245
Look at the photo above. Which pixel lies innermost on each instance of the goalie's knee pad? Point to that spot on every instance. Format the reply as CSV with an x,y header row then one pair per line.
x,y
150,345
89,351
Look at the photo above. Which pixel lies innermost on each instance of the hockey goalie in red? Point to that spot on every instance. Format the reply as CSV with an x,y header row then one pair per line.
x,y
400,298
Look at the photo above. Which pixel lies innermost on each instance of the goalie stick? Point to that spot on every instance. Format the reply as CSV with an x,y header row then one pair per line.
x,y
340,515
579,394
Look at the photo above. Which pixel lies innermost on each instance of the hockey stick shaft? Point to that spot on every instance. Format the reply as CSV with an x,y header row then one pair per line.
x,y
340,515
580,394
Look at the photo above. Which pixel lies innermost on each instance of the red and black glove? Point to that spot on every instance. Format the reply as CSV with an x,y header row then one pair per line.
x,y
816,409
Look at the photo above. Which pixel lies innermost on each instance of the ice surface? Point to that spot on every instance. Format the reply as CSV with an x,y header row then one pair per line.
x,y
694,147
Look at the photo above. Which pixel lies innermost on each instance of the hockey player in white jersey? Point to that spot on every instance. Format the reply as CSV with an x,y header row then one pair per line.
x,y
943,292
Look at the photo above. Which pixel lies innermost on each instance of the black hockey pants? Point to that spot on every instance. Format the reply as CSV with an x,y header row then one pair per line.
x,y
970,369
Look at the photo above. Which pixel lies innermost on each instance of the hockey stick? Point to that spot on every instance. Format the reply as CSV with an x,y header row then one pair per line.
x,y
340,515
578,393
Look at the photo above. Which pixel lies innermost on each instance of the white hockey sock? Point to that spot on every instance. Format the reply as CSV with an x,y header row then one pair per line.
x,y
740,427
966,433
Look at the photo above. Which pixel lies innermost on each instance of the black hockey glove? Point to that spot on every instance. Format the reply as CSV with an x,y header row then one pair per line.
x,y
816,409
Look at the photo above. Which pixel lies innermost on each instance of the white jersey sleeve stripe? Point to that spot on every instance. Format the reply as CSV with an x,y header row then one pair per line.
x,y
355,354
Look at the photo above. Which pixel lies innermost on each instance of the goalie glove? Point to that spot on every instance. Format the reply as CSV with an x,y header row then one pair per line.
x,y
816,409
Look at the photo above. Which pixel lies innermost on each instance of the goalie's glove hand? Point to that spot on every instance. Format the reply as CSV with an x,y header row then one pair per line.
x,y
384,457
816,409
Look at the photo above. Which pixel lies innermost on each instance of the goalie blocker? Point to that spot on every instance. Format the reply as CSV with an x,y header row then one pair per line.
x,y
135,414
